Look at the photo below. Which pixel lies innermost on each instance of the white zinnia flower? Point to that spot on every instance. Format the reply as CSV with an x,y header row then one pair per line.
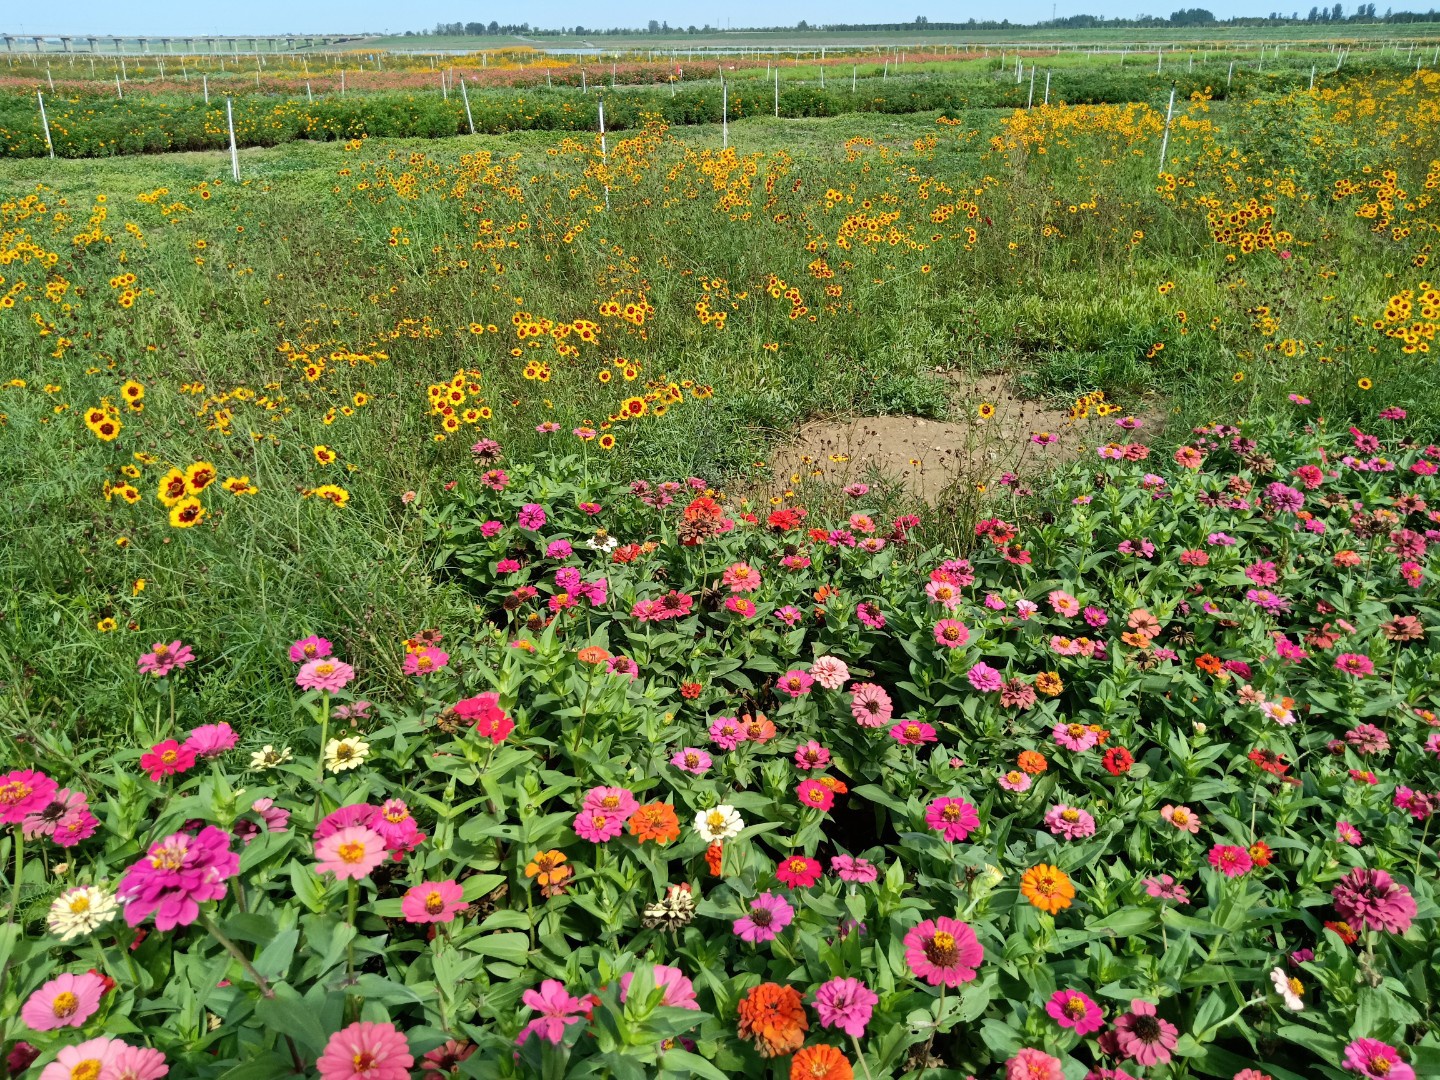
x,y
1290,989
267,757
342,754
81,910
719,823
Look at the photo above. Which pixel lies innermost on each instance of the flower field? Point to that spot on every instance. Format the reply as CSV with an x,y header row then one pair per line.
x,y
410,666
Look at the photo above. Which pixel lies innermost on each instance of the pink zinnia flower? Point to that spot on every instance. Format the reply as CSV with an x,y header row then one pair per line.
x,y
89,1058
366,1051
1143,1036
1373,900
531,516
163,659
176,876
763,920
432,902
484,712
1356,664
815,795
727,732
211,740
397,828
24,792
798,871
1069,821
1165,887
350,853
1230,860
276,819
953,819
557,1009
853,868
426,661
327,675
830,672
1182,817
166,758
66,819
1015,780
943,951
597,826
811,755
870,615
985,678
912,733
795,683
951,633
135,1063
870,705
617,802
65,1001
310,648
1031,1064
678,991
741,606
741,578
1349,833
845,1004
1372,1059
1077,737
692,760
1072,1009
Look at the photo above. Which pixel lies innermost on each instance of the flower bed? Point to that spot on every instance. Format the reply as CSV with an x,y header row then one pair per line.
x,y
1142,786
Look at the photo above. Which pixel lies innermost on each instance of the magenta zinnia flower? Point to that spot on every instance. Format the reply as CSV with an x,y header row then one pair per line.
x,y
366,1051
692,759
845,1004
426,661
557,1011
211,740
163,659
870,705
912,733
795,682
1145,1037
176,876
814,794
597,826
985,678
1072,1009
310,648
24,792
1373,900
853,868
65,1001
617,802
766,916
1230,860
1376,1060
432,902
166,758
328,675
350,853
953,819
1069,821
943,950
798,871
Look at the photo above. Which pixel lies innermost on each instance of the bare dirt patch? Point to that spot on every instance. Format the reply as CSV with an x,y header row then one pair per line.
x,y
929,456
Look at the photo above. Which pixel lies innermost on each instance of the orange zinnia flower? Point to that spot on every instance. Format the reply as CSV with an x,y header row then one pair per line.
x,y
820,1063
1048,683
774,1017
655,821
1033,762
546,869
592,654
1207,663
1047,888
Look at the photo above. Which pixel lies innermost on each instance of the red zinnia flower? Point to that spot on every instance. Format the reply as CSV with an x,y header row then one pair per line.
x,y
1117,760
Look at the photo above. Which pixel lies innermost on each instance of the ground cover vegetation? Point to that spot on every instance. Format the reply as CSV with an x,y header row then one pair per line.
x,y
410,666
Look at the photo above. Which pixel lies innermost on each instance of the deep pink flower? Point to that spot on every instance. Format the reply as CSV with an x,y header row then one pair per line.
x,y
310,648
1230,860
798,871
167,758
366,1051
1072,1009
325,674
65,1001
815,795
24,792
679,991
692,760
811,755
853,868
1069,821
1376,1060
845,1004
532,516
426,661
176,876
597,826
912,733
211,740
764,918
397,828
557,1011
953,819
1373,900
65,807
985,678
432,902
795,683
870,615
943,951
618,802
483,711
163,659
727,732
1356,664
951,633
1144,1036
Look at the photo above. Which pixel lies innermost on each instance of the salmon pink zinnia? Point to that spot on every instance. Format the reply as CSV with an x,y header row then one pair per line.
x,y
432,902
350,853
65,1001
366,1051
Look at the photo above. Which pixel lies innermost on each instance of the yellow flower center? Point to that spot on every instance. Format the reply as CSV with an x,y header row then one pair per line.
x,y
940,950
434,903
1075,1008
79,904
89,1069
325,669
352,852
1071,815
64,1005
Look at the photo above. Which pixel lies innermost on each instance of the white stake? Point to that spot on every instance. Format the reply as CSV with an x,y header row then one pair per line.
x,y
44,123
234,151
1159,59
342,82
777,90
465,97
50,78
854,74
444,93
1031,99
724,114
1047,89
1165,142
1312,76
308,95
120,94
205,85
604,156
584,83
1229,74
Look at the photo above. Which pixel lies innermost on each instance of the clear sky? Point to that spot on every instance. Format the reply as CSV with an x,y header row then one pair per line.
x,y
335,16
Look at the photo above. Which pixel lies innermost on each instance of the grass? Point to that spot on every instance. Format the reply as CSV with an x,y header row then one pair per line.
x,y
377,258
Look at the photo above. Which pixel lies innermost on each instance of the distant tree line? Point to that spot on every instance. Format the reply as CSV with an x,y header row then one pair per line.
x,y
1364,13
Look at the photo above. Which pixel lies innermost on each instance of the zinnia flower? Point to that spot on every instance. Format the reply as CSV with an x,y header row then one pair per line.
x,y
65,1001
1031,1064
1143,1036
1372,1059
366,1051
677,990
655,821
167,758
343,754
24,792
1182,817
211,740
350,853
1230,860
176,876
136,1063
432,902
764,918
798,871
943,951
820,1062
773,1016
310,648
426,661
330,676
853,868
870,705
1373,900
81,910
719,823
830,672
845,1004
953,819
1047,888
1290,989
1072,1009
83,1060
951,633
1070,822
912,733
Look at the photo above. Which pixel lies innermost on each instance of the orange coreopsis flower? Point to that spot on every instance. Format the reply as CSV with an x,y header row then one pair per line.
x,y
1047,888
820,1063
774,1017
1033,762
655,821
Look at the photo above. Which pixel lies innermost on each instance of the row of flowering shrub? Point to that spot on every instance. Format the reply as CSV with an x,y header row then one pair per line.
x,y
1142,787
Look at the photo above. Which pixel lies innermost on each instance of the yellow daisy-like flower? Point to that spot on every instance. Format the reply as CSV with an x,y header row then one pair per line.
x,y
186,513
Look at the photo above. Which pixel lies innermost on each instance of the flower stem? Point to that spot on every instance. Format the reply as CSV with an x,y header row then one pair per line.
x,y
324,738
19,870
234,950
934,1030
860,1057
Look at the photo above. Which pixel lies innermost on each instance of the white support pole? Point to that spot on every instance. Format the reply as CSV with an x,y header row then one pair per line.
x,y
1229,74
777,90
1047,89
1312,76
724,114
604,155
50,78
444,92
45,123
465,97
1031,99
854,75
205,86
309,96
1165,142
1159,59
234,151
120,94
342,82
584,83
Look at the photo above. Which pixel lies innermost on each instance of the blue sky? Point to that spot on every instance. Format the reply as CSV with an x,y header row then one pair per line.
x,y
276,16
